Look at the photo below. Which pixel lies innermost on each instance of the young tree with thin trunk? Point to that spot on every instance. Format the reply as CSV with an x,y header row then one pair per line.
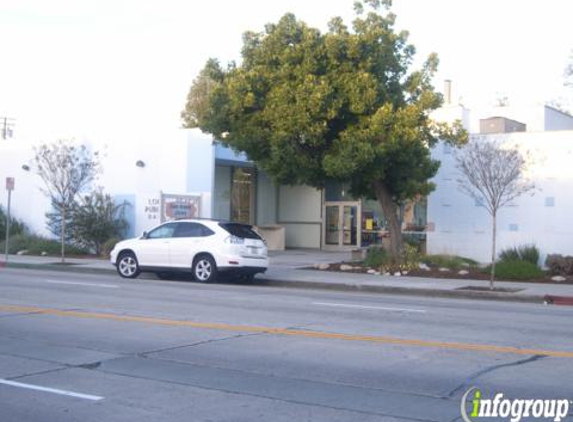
x,y
66,170
493,175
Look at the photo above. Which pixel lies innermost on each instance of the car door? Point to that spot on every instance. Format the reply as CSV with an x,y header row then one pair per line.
x,y
188,239
153,250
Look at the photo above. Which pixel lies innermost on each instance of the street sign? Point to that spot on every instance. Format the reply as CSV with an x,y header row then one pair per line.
x,y
9,183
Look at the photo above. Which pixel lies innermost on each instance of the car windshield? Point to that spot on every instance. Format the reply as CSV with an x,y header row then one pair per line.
x,y
243,231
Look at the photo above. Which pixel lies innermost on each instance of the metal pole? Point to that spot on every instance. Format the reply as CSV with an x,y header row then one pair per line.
x,y
8,225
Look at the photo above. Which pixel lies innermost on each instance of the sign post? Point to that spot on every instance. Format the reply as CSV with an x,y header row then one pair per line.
x,y
9,188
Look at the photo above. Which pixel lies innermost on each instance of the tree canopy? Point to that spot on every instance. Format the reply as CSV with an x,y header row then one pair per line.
x,y
343,105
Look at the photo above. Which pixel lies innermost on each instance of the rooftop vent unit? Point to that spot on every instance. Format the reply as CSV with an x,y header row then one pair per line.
x,y
500,125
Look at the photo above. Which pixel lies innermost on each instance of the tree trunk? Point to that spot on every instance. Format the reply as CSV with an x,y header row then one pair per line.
x,y
63,237
493,251
390,210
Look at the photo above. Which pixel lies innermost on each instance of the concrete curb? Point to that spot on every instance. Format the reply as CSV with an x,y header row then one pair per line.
x,y
54,267
406,291
339,287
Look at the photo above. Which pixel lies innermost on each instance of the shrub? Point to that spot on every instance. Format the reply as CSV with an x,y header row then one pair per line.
x,y
35,245
108,245
559,264
96,219
517,270
528,253
16,226
376,257
412,239
453,262
410,258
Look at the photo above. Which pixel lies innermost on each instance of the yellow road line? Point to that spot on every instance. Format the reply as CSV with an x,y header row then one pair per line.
x,y
289,332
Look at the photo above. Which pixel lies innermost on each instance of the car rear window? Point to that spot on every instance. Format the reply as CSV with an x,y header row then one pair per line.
x,y
192,230
243,231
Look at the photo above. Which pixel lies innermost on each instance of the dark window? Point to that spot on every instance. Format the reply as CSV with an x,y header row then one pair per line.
x,y
243,195
192,230
162,232
240,230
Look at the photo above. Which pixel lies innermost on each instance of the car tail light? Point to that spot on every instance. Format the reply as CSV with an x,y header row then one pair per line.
x,y
234,240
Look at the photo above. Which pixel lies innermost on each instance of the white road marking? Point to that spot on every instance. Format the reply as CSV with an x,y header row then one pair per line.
x,y
51,390
73,283
380,308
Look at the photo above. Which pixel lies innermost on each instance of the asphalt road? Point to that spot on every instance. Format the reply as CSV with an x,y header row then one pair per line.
x,y
80,347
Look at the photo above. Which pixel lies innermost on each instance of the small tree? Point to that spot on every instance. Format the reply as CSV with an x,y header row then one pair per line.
x,y
493,175
66,170
96,219
54,223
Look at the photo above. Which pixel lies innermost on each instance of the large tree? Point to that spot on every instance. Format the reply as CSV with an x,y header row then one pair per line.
x,y
343,105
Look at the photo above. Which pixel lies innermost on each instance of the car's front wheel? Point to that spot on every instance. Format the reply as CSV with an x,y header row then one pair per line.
x,y
127,265
204,269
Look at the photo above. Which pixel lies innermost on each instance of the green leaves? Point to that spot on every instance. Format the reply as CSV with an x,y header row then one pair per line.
x,y
310,106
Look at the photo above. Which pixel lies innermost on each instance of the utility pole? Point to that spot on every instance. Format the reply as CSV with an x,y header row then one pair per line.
x,y
9,188
7,125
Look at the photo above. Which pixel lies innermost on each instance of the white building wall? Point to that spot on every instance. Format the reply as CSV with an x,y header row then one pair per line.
x,y
28,203
266,200
460,226
300,211
181,162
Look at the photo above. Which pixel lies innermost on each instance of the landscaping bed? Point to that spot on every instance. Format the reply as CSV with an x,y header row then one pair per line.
x,y
472,274
515,264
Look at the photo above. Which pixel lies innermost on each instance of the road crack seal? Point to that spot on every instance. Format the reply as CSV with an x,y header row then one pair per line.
x,y
199,343
470,380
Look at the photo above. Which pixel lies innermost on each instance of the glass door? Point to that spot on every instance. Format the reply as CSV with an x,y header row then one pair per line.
x,y
332,225
349,225
341,225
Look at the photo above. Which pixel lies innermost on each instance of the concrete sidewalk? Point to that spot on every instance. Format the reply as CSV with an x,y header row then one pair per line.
x,y
290,269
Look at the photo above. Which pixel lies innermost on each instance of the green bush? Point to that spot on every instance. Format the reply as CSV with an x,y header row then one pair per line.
x,y
528,253
453,262
16,226
410,258
96,219
517,270
35,245
559,264
108,246
376,257
381,259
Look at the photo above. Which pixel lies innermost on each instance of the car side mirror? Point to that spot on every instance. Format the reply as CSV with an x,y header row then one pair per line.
x,y
144,235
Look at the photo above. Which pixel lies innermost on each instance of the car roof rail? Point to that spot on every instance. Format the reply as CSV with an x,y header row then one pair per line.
x,y
201,218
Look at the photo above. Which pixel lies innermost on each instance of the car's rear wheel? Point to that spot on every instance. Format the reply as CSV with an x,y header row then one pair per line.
x,y
204,269
127,265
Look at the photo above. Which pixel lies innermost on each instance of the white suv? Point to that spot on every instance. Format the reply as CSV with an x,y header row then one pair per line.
x,y
204,247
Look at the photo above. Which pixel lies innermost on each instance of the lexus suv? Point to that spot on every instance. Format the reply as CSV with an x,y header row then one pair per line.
x,y
202,247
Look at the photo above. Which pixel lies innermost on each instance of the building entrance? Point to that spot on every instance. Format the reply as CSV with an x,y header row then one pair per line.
x,y
341,225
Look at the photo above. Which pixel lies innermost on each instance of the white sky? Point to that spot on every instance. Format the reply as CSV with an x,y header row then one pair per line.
x,y
119,70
